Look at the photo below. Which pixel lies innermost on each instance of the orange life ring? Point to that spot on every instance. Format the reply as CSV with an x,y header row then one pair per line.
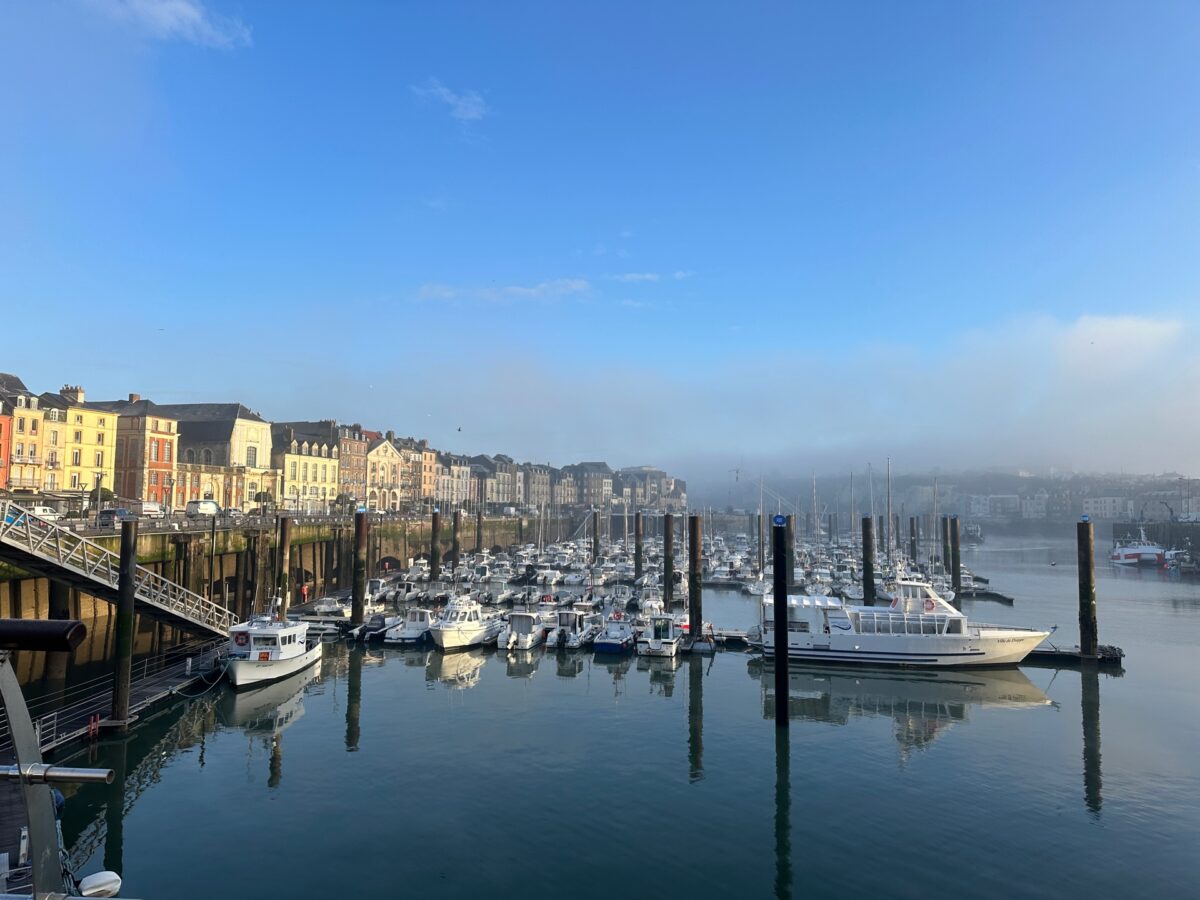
x,y
241,638
928,605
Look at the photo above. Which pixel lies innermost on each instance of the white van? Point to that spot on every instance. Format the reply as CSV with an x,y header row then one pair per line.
x,y
202,508
45,512
149,509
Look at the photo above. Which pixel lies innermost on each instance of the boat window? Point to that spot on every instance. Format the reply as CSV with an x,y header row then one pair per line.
x,y
798,626
265,641
954,626
662,629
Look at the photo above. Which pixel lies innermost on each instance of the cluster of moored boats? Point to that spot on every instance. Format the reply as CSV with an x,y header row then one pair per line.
x,y
515,609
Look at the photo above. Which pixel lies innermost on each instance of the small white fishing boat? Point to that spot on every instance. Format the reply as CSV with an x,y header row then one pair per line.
x,y
465,624
414,629
524,631
265,649
660,637
576,627
617,636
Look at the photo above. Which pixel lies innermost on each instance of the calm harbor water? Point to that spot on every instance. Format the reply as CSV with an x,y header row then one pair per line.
x,y
408,771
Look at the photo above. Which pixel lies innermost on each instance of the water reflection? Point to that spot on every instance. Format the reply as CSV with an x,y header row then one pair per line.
x,y
695,666
354,699
1089,693
616,666
921,704
457,671
568,664
523,663
662,671
783,813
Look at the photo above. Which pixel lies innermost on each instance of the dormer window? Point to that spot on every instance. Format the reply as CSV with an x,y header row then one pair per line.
x,y
20,402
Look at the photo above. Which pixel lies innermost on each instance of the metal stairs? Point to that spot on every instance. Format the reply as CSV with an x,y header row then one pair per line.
x,y
41,546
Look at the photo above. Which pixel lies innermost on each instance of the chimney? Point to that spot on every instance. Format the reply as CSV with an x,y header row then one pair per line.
x,y
391,435
72,392
135,398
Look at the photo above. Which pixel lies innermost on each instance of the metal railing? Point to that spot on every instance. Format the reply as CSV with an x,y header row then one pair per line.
x,y
65,549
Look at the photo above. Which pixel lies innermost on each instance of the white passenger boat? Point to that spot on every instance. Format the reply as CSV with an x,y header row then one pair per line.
x,y
524,631
918,628
660,637
414,629
465,623
265,649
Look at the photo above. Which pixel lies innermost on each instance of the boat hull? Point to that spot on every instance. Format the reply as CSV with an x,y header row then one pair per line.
x,y
245,672
999,648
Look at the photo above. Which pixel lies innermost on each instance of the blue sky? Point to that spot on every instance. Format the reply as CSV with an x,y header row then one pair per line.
x,y
658,232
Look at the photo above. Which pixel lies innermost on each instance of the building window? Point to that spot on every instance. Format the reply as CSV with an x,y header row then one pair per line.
x,y
20,450
208,457
166,451
74,479
100,437
79,437
20,425
54,439
292,471
78,419
33,423
304,472
191,455
154,451
99,457
324,473
252,457
154,478
101,423
51,483
76,458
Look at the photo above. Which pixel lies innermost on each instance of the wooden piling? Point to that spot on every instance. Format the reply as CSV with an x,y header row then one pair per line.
x,y
358,597
126,594
955,558
695,573
285,566
668,559
789,551
435,546
327,569
868,572
456,525
946,544
762,551
1089,632
637,545
780,614
479,530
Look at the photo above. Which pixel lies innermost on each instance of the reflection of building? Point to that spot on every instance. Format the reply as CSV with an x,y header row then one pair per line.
x,y
921,704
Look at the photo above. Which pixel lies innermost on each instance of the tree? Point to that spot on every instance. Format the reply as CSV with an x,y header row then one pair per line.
x,y
106,496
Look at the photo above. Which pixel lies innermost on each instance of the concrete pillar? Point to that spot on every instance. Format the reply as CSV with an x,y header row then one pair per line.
x,y
126,592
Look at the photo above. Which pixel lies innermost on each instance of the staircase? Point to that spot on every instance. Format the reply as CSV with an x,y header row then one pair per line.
x,y
41,546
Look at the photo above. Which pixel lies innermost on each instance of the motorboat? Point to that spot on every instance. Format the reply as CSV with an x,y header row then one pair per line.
x,y
1140,552
266,649
374,628
576,627
524,631
660,637
617,635
414,629
465,623
919,628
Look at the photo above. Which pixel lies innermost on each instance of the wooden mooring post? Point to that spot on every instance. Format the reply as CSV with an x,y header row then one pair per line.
x,y
126,596
359,591
668,559
1089,632
285,566
868,573
955,557
695,576
455,545
637,545
780,614
435,545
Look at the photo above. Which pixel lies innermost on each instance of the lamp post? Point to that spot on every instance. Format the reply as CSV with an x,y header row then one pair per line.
x,y
168,496
99,484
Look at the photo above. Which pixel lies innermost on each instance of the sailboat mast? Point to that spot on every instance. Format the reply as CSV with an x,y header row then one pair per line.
x,y
889,509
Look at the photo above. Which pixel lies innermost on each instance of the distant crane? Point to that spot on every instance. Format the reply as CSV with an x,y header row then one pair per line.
x,y
1174,518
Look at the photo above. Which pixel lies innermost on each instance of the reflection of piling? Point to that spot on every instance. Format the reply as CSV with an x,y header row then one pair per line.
x,y
455,547
955,558
668,559
868,573
354,698
126,592
1090,701
695,718
1089,633
285,566
789,552
946,544
435,546
359,596
275,770
695,572
783,810
114,805
57,661
780,615
637,545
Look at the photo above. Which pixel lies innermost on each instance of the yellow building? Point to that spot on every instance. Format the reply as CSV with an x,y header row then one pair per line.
x,y
306,456
26,439
82,438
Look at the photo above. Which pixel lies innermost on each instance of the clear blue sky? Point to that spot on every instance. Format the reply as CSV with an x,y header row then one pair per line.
x,y
602,229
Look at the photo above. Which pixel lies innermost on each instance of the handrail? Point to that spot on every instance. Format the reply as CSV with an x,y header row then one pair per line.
x,y
63,547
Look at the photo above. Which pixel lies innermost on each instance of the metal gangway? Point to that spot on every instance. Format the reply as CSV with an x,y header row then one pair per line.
x,y
53,551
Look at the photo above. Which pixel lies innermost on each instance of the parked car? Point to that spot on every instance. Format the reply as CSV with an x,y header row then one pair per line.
x,y
45,512
234,513
202,508
110,518
149,509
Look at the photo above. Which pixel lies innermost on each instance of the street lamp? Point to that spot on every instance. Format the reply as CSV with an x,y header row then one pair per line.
x,y
99,482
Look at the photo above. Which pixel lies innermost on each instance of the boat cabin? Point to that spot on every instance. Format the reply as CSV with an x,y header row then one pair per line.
x,y
662,628
264,640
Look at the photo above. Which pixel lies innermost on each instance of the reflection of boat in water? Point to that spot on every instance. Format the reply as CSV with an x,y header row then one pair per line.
x,y
921,703
457,671
662,671
270,708
523,663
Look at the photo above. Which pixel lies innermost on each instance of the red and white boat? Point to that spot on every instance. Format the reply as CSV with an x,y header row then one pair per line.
x,y
1141,552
